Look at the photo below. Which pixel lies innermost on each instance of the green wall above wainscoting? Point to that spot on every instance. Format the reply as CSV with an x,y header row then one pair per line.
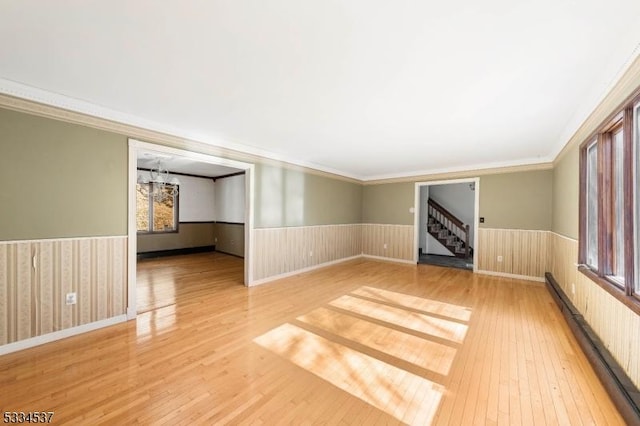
x,y
521,200
67,180
517,200
388,203
60,180
566,186
285,197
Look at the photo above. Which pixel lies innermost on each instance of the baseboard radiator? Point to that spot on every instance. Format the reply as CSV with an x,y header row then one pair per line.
x,y
623,392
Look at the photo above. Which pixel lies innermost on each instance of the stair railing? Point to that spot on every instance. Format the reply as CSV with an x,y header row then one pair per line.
x,y
451,222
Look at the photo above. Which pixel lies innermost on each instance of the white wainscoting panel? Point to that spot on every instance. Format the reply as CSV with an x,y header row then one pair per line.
x,y
35,277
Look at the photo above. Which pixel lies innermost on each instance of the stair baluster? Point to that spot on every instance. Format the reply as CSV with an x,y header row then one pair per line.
x,y
448,229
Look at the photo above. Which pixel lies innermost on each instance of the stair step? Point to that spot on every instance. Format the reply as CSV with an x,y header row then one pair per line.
x,y
450,240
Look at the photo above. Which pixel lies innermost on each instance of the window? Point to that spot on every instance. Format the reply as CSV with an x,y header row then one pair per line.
x,y
617,204
592,206
156,207
607,188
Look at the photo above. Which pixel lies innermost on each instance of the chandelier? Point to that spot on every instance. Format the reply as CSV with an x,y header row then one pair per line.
x,y
159,183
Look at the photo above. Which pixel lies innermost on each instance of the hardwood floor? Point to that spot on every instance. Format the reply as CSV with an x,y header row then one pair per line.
x,y
165,281
363,342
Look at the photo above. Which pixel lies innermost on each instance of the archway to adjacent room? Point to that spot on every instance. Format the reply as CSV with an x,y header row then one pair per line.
x,y
188,215
446,222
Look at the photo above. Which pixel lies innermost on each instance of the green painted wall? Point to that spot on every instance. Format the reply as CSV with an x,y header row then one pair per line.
x,y
60,180
521,200
286,197
65,180
388,203
566,187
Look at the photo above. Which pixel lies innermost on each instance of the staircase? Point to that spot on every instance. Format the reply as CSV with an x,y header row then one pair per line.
x,y
450,231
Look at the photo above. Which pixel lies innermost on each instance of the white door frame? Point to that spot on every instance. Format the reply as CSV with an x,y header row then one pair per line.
x,y
134,147
476,214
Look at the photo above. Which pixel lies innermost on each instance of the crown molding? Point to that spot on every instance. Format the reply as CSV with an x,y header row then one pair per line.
x,y
460,172
23,98
618,92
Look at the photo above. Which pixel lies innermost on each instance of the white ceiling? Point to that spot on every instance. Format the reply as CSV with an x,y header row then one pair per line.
x,y
369,89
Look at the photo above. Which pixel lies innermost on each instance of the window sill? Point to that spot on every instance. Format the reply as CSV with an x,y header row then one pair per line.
x,y
175,231
630,302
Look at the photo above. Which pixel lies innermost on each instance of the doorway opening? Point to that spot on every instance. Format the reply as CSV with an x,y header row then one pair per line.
x,y
190,216
446,222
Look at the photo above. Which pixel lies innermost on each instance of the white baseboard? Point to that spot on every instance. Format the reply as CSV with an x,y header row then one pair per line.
x,y
389,259
132,313
506,275
325,264
58,335
300,271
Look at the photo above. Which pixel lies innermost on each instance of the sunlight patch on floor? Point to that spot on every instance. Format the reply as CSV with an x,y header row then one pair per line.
x,y
394,359
404,346
399,393
456,312
438,327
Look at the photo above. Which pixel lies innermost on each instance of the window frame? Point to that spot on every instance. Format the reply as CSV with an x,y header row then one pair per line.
x,y
627,180
176,203
587,245
635,159
623,119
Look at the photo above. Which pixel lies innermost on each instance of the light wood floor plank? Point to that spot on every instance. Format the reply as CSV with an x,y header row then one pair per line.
x,y
363,342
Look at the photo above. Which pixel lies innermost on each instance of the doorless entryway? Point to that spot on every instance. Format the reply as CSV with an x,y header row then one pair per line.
x,y
138,148
446,222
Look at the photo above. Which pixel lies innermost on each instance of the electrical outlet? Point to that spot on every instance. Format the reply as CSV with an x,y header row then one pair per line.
x,y
573,288
385,246
71,299
499,258
311,253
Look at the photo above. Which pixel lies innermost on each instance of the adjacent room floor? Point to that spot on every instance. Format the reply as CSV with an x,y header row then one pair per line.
x,y
363,342
162,281
447,261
